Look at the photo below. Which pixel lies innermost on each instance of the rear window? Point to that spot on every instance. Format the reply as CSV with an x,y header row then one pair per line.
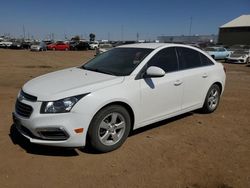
x,y
205,60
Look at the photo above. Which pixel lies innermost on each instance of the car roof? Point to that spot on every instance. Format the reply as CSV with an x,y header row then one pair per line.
x,y
145,45
215,47
152,45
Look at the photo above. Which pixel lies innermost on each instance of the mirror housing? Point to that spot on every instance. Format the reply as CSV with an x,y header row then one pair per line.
x,y
154,71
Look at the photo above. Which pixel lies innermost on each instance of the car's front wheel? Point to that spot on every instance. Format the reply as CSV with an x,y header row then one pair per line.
x,y
109,128
248,60
212,99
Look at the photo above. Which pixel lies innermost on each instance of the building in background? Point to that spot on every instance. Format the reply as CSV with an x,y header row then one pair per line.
x,y
236,31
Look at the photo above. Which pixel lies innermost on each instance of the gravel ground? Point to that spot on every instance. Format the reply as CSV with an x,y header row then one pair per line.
x,y
190,151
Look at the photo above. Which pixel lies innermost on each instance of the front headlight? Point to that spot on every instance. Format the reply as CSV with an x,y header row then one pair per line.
x,y
60,106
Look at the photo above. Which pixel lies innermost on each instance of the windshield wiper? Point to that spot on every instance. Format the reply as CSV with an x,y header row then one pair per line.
x,y
98,70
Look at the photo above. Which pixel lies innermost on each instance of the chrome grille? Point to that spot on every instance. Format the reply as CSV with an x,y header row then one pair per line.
x,y
23,109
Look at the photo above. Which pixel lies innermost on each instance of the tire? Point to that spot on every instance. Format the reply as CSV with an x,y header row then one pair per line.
x,y
109,129
212,99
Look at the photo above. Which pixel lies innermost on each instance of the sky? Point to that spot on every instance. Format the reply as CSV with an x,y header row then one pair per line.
x,y
115,19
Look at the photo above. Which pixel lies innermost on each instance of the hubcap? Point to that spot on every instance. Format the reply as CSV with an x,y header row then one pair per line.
x,y
111,129
213,99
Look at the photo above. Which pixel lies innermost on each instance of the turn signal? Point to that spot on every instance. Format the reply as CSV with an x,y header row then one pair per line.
x,y
79,130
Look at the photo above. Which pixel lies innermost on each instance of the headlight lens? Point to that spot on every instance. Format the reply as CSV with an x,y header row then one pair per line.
x,y
60,106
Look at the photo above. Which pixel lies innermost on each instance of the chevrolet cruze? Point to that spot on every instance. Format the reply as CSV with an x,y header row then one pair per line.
x,y
128,87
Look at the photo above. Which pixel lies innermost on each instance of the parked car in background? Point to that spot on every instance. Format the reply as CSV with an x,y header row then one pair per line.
x,y
48,42
217,52
5,44
26,44
103,48
235,47
81,45
16,45
123,89
58,46
38,46
93,45
239,56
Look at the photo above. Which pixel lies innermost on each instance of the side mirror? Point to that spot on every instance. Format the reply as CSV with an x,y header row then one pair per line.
x,y
154,71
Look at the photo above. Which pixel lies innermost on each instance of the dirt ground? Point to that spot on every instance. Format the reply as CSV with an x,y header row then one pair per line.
x,y
191,151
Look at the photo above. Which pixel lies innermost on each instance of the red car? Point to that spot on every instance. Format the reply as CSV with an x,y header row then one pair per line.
x,y
58,46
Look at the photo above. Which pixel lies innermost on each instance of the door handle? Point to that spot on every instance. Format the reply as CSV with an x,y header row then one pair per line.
x,y
177,82
204,75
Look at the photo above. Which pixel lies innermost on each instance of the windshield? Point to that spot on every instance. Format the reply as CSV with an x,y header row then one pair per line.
x,y
210,49
118,61
36,43
240,52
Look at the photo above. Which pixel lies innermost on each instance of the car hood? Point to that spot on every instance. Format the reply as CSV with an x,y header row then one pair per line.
x,y
238,55
68,82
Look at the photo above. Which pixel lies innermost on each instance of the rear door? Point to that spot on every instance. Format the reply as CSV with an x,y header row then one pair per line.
x,y
194,76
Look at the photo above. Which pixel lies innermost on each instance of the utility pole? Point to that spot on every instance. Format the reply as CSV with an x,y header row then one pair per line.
x,y
137,36
190,26
122,32
23,32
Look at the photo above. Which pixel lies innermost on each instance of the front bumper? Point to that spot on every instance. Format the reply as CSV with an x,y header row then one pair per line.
x,y
236,60
52,129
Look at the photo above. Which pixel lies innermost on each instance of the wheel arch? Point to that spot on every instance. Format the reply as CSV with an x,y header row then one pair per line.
x,y
127,107
124,105
220,86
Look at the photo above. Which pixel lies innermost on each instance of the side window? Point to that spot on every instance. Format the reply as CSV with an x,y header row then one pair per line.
x,y
188,58
222,49
205,61
165,59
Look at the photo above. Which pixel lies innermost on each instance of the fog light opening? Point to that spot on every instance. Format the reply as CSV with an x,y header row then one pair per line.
x,y
53,134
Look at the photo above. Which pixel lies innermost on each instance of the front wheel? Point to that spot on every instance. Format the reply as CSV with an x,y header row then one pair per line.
x,y
212,99
109,128
248,60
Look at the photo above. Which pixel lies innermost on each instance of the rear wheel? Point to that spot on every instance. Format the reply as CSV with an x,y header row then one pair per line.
x,y
109,128
212,99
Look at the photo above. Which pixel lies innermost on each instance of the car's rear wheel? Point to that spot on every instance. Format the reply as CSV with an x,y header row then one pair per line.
x,y
212,99
109,128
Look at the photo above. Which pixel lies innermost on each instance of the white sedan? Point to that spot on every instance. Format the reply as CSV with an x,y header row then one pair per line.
x,y
125,88
239,56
